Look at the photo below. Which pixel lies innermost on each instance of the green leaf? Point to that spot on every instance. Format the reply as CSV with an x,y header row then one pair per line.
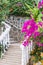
x,y
28,7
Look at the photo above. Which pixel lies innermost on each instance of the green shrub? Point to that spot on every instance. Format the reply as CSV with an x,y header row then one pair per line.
x,y
15,7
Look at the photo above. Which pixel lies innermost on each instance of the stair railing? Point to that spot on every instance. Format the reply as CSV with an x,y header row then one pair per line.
x,y
26,53
4,39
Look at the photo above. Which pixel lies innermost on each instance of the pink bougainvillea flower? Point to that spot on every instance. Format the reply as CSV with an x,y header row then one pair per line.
x,y
39,5
42,18
27,25
24,27
35,26
32,30
42,2
42,12
40,23
29,28
25,42
28,34
36,34
39,44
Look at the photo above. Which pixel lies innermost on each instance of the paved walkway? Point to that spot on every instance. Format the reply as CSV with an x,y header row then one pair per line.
x,y
12,56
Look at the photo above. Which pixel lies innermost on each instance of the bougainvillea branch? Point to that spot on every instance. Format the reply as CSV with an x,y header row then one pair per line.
x,y
33,29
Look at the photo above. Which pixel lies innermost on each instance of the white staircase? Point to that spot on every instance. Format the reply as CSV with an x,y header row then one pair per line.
x,y
16,25
15,22
13,56
17,54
